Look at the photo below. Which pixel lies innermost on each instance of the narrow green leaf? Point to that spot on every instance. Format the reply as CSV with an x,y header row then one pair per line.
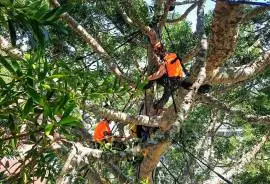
x,y
58,76
17,67
2,83
47,109
69,109
69,121
48,129
50,14
7,65
14,142
27,107
12,32
36,97
38,33
61,103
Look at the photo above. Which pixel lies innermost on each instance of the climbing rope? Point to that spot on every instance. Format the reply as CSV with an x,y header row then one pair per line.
x,y
182,145
209,167
167,169
174,49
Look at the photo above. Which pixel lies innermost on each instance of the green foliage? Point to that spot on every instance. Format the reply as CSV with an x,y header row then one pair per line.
x,y
258,172
31,16
43,93
183,38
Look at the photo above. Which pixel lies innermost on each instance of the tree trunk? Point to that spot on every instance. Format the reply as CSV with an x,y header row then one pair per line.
x,y
151,159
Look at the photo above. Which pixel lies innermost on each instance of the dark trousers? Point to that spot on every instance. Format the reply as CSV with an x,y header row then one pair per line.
x,y
170,85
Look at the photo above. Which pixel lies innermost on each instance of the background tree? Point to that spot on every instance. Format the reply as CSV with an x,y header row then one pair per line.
x,y
62,61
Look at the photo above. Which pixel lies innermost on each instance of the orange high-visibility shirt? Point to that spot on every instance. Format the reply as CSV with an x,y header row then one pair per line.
x,y
101,128
173,69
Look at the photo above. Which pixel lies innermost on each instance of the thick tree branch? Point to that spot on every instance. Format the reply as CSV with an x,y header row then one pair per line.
x,y
155,121
231,75
165,13
143,28
82,152
183,16
76,27
67,165
251,118
254,13
189,99
200,18
185,2
222,41
151,159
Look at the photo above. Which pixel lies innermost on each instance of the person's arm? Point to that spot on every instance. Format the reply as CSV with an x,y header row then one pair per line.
x,y
161,71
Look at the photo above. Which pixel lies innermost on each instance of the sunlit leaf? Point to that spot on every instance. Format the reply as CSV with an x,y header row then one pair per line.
x,y
27,107
35,96
48,129
70,121
7,65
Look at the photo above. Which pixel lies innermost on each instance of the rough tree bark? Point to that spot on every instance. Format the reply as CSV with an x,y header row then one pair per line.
x,y
222,41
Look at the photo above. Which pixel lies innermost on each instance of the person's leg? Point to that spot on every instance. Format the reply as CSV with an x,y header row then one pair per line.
x,y
165,97
205,88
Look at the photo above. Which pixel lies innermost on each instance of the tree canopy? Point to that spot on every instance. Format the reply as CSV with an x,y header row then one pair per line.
x,y
65,65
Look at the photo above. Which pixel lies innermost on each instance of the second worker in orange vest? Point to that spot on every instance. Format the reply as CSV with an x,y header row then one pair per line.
x,y
102,131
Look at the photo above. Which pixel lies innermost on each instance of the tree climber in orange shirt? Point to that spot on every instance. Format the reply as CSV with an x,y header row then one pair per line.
x,y
103,132
170,75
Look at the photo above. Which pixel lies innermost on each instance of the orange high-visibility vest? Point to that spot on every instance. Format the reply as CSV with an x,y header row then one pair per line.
x,y
102,127
173,69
